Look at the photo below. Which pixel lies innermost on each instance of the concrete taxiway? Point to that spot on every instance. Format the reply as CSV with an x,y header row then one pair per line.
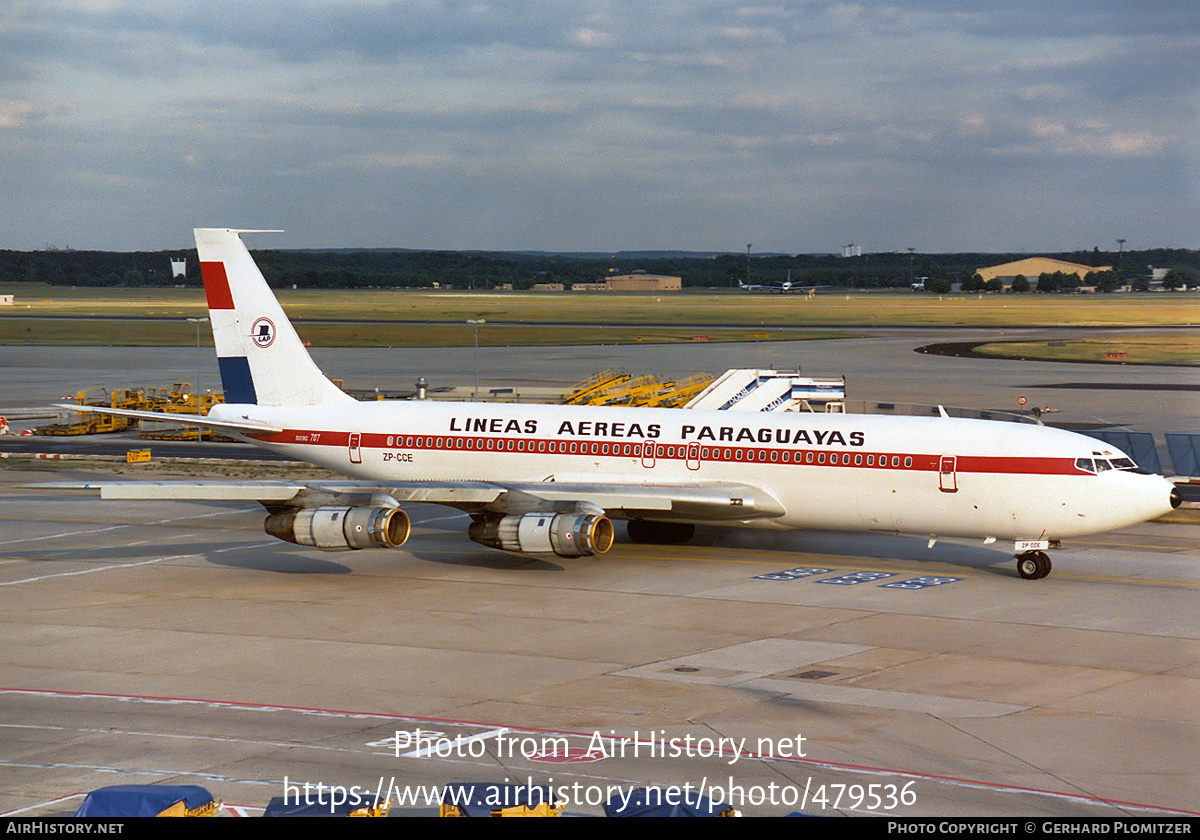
x,y
178,643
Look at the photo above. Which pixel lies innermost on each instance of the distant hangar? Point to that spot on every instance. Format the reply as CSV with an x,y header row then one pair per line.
x,y
633,283
1033,267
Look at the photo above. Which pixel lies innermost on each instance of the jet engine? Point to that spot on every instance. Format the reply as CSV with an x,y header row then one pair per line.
x,y
564,534
340,528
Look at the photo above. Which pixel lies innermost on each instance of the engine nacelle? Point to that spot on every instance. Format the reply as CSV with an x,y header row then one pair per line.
x,y
341,528
564,534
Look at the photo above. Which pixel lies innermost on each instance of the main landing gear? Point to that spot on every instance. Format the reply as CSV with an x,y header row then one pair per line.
x,y
1033,565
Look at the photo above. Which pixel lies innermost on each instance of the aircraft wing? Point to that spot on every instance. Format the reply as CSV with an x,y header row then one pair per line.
x,y
685,502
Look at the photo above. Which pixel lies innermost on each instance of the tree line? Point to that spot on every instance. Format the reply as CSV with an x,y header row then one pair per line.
x,y
385,268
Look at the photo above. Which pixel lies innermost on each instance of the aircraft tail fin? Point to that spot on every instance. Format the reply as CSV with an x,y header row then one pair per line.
x,y
261,358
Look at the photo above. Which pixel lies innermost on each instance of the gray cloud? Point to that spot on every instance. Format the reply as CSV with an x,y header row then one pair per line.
x,y
581,125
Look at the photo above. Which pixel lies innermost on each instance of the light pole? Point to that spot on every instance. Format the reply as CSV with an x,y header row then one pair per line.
x,y
748,244
475,322
197,322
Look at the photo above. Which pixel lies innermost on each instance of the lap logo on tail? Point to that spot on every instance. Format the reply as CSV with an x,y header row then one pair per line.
x,y
263,332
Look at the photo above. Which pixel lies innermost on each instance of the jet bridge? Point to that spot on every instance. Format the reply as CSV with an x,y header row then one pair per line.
x,y
751,389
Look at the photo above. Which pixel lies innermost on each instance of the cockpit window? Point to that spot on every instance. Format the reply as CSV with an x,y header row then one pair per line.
x,y
1105,461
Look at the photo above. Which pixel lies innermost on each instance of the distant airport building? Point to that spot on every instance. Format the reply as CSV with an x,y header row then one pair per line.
x,y
633,283
179,268
547,287
1032,267
852,250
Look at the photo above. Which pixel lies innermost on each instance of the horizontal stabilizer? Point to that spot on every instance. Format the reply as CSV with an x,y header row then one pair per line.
x,y
246,426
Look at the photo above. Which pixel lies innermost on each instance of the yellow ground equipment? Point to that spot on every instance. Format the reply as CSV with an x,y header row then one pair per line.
x,y
485,799
676,394
610,387
584,391
178,399
96,424
149,801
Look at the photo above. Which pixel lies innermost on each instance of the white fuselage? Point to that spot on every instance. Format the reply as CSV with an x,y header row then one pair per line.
x,y
937,476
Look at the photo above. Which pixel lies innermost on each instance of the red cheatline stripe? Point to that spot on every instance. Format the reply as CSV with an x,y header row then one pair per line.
x,y
679,452
216,285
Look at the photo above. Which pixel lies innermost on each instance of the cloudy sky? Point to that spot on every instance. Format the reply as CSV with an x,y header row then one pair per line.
x,y
799,126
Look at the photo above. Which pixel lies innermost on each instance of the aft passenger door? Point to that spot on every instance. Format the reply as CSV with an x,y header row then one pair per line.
x,y
948,474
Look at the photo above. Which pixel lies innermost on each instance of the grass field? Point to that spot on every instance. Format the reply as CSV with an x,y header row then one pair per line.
x,y
160,315
1131,349
178,333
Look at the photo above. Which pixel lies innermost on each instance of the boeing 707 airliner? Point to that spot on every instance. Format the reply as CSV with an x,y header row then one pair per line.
x,y
551,479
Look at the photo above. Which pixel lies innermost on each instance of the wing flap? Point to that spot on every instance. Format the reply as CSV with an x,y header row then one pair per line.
x,y
694,502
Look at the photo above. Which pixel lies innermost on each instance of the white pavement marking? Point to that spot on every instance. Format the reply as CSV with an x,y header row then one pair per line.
x,y
434,745
119,527
135,565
